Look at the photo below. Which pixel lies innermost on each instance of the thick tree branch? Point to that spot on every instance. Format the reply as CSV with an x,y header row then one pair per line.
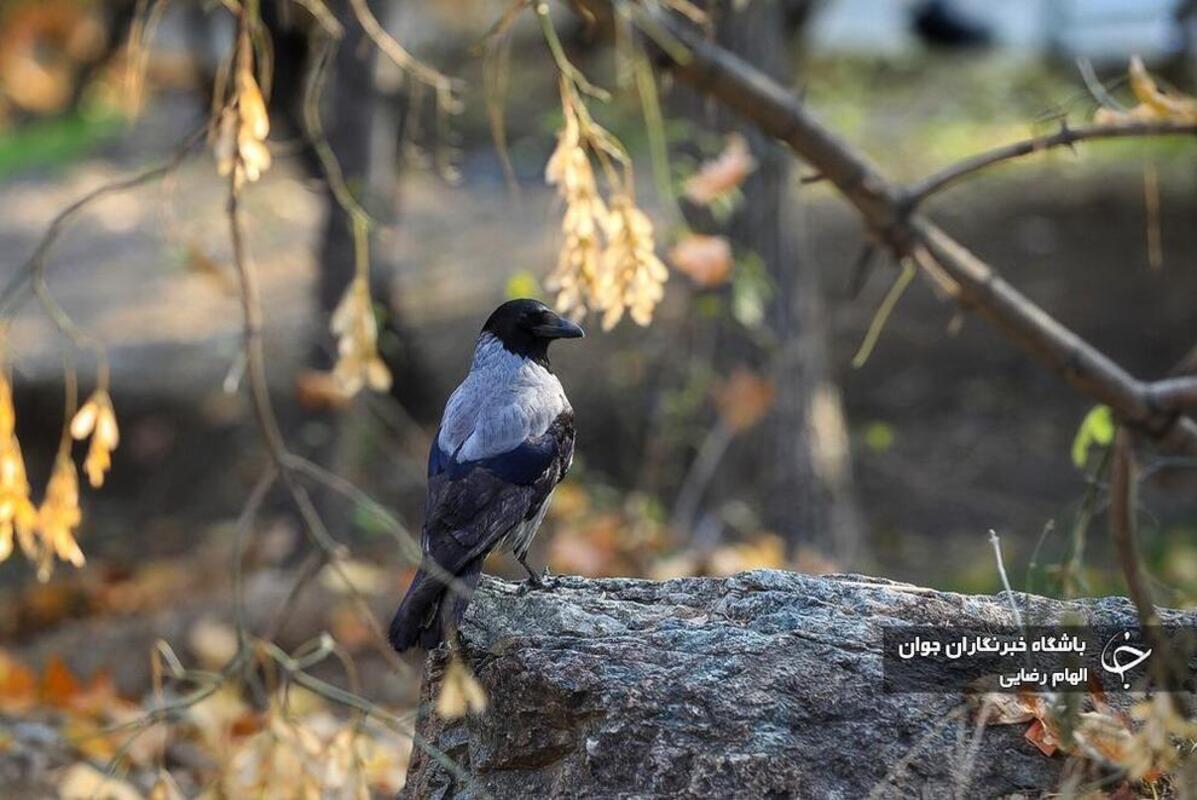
x,y
886,210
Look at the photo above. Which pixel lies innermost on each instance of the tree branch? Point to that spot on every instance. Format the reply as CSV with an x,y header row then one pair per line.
x,y
1065,137
885,208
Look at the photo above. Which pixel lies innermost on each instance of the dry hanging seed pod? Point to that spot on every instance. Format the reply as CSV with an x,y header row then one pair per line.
x,y
633,278
358,363
239,138
607,262
58,517
460,693
97,419
576,276
18,516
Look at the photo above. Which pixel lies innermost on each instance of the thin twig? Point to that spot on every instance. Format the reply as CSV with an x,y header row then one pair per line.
x,y
886,308
996,544
1065,137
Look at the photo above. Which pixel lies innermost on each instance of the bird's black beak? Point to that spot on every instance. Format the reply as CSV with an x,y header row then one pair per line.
x,y
559,328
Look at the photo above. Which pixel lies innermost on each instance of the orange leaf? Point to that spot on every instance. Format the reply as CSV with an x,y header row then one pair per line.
x,y
722,174
18,686
319,391
1042,737
743,399
59,685
706,259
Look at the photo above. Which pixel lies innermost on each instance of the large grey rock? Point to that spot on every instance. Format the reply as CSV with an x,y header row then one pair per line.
x,y
762,685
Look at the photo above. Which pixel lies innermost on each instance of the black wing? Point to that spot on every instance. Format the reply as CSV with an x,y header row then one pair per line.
x,y
473,504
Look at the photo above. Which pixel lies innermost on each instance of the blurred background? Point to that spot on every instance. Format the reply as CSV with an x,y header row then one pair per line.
x,y
731,433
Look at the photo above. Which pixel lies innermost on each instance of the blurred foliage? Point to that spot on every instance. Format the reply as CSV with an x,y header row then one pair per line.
x,y
915,114
56,141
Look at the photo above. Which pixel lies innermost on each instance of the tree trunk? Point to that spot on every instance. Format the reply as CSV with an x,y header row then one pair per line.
x,y
807,490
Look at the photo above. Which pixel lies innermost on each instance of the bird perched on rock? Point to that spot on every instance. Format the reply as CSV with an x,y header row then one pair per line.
x,y
505,440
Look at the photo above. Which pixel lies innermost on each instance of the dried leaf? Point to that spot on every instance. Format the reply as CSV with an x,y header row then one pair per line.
x,y
18,686
1154,103
97,419
59,687
317,390
347,576
460,692
743,399
718,177
706,259
358,363
84,782
213,642
57,518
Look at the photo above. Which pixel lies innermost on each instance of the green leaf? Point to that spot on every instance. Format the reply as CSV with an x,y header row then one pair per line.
x,y
1097,428
879,436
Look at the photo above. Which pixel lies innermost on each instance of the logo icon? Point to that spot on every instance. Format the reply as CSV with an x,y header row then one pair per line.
x,y
1123,658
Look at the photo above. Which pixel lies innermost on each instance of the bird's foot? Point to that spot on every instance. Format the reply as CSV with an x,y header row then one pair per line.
x,y
540,583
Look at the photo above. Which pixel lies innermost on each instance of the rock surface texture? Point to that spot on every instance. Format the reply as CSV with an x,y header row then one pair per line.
x,y
763,685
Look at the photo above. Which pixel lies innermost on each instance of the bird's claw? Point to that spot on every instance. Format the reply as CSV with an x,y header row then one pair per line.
x,y
544,582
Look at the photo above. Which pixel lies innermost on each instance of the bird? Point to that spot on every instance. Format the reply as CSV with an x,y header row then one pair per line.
x,y
506,439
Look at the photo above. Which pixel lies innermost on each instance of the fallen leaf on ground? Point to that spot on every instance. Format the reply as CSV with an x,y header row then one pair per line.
x,y
85,782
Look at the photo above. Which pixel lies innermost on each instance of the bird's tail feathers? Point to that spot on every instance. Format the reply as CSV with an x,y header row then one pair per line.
x,y
429,610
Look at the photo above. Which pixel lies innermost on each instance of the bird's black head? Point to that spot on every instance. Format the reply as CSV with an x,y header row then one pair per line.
x,y
525,327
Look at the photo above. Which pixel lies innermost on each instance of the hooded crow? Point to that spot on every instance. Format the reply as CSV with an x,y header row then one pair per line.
x,y
505,440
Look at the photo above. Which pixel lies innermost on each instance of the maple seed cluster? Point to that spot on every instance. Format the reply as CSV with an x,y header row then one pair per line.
x,y
1155,105
47,532
607,262
17,513
97,419
358,363
239,138
461,693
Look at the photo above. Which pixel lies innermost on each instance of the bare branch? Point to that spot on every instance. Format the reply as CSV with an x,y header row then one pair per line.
x,y
1065,137
1173,394
717,73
